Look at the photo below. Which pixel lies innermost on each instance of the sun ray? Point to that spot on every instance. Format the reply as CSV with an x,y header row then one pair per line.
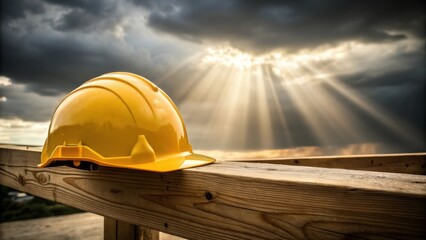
x,y
345,123
217,123
243,114
185,87
244,100
232,130
263,111
304,105
189,61
397,126
200,92
278,107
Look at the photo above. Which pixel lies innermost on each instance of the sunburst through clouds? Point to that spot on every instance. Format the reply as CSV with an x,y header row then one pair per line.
x,y
249,94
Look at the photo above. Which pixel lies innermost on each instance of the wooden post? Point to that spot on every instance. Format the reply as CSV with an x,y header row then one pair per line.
x,y
119,230
110,229
148,234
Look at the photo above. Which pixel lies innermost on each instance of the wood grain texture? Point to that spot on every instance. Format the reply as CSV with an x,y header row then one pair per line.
x,y
411,163
236,200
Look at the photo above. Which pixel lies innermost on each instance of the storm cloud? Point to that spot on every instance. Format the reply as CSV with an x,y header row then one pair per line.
x,y
288,25
62,44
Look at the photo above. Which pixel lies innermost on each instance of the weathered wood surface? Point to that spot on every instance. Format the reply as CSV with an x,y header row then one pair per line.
x,y
235,200
411,163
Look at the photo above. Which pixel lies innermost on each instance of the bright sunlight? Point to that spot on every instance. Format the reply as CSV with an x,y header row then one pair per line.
x,y
240,90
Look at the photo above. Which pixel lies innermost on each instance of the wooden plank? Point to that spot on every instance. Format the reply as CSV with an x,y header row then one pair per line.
x,y
410,163
235,200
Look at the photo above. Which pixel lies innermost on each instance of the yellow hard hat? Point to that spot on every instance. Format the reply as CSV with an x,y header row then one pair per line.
x,y
120,120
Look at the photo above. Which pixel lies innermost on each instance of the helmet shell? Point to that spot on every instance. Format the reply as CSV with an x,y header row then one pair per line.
x,y
120,120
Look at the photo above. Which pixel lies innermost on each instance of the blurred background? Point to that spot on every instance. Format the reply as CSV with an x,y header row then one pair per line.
x,y
252,79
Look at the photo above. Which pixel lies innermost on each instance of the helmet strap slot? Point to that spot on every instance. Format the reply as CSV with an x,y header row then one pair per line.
x,y
84,165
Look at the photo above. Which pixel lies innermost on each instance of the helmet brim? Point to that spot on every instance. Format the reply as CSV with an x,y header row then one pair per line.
x,y
164,165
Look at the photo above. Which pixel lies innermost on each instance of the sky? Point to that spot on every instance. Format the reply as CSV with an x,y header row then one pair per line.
x,y
269,78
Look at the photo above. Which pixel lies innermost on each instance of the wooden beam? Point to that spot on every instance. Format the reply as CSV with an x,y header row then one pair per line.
x,y
411,163
235,200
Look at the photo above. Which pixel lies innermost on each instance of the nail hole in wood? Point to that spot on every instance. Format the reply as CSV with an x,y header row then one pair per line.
x,y
208,196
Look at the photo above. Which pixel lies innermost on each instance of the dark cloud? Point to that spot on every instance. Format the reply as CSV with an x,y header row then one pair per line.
x,y
290,25
401,94
22,103
80,15
87,15
411,77
96,7
72,42
51,52
53,64
12,10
